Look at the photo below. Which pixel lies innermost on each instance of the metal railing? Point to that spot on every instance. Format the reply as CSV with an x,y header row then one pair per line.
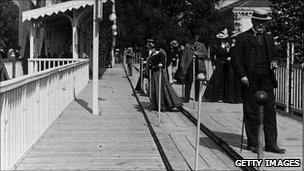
x,y
29,104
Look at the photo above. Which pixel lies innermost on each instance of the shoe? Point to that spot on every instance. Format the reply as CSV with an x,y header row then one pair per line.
x,y
253,149
185,100
275,149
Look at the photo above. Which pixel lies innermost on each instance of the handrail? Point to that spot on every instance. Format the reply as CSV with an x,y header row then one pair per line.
x,y
29,104
54,59
14,83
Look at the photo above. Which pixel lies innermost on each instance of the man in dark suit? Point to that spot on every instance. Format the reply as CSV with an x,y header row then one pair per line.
x,y
253,62
197,49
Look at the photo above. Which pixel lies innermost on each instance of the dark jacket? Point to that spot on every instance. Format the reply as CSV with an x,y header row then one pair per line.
x,y
244,54
186,58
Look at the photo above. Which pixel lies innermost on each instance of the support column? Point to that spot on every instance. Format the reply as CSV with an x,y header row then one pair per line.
x,y
30,68
114,36
75,35
95,57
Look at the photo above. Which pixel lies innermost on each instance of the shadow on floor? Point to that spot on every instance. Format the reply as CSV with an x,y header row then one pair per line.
x,y
234,140
100,75
84,104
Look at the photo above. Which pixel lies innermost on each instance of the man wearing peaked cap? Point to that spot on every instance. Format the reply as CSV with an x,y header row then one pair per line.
x,y
253,62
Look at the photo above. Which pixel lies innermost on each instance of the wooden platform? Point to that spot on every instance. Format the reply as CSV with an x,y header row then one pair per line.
x,y
118,139
225,120
177,137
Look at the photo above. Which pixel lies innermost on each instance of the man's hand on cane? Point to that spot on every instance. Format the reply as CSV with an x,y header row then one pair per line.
x,y
201,76
245,81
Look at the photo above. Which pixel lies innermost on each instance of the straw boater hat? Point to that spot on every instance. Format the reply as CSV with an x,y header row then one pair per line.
x,y
260,14
223,34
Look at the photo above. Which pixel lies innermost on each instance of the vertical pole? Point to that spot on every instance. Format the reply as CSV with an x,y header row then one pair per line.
x,y
302,114
287,79
183,90
114,37
75,36
32,38
260,135
193,82
198,125
150,81
140,73
261,97
95,58
159,92
291,84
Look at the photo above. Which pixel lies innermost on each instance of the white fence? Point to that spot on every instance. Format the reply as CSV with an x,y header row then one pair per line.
x,y
40,64
29,104
289,93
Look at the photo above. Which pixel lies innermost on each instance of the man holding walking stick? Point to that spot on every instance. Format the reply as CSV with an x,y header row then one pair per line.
x,y
253,62
195,52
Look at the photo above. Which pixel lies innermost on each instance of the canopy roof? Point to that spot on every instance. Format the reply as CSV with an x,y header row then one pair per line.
x,y
55,9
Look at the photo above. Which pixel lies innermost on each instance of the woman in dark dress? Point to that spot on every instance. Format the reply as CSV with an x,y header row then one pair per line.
x,y
215,89
169,98
232,87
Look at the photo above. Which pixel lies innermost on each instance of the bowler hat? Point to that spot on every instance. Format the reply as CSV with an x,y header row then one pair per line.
x,y
260,14
174,43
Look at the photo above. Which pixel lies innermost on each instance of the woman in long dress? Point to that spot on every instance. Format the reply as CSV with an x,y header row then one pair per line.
x,y
215,89
232,87
169,98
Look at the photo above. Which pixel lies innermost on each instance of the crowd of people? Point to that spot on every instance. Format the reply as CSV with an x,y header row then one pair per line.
x,y
10,53
243,64
223,85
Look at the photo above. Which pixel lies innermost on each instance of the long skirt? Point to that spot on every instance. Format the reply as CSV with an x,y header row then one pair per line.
x,y
215,88
169,98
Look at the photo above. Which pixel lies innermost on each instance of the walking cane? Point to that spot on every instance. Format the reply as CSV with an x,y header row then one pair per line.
x,y
141,75
198,122
261,97
193,82
150,81
159,91
150,86
242,136
183,91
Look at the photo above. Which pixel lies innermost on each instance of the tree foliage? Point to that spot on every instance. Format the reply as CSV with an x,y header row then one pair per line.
x,y
8,24
288,22
169,19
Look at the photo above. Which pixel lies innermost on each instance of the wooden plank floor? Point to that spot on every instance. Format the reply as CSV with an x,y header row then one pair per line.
x,y
226,121
118,139
177,137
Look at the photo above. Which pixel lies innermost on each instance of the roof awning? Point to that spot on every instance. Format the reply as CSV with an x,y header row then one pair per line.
x,y
55,9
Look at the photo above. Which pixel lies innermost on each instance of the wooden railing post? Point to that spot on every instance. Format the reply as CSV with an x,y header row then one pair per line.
x,y
302,81
261,98
287,72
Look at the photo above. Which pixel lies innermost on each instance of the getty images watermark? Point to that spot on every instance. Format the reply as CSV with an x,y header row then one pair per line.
x,y
268,163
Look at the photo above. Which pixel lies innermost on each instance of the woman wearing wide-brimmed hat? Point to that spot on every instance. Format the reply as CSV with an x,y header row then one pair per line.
x,y
232,87
219,54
